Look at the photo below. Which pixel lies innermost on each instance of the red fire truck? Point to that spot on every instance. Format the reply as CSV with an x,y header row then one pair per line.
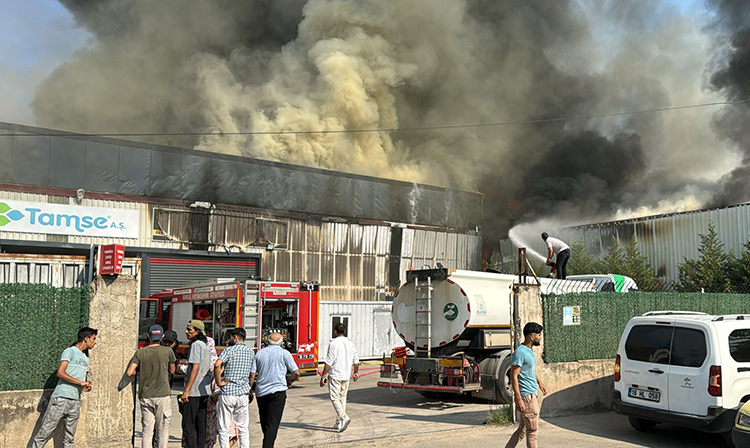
x,y
260,307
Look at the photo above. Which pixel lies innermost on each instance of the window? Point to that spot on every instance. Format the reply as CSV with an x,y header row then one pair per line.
x,y
688,347
339,319
649,343
148,309
739,345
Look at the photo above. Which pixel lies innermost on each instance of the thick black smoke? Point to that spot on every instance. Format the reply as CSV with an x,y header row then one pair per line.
x,y
730,75
142,75
270,65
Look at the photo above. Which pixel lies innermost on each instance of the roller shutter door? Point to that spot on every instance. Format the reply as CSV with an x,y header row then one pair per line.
x,y
173,272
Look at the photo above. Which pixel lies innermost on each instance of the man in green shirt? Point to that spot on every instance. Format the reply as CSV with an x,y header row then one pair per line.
x,y
65,402
155,363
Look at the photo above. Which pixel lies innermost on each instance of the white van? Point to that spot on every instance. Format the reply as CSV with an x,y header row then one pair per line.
x,y
685,368
608,282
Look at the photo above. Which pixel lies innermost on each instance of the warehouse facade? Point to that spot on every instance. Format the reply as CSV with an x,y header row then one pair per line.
x,y
189,215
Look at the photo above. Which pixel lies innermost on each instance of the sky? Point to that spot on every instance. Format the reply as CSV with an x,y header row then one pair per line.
x,y
36,37
137,66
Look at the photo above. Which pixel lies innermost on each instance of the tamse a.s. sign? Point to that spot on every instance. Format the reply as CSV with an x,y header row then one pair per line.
x,y
61,219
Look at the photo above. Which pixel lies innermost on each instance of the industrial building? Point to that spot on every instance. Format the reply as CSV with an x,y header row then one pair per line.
x,y
188,215
666,240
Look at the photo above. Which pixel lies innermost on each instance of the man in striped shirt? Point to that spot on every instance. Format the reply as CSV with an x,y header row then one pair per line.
x,y
237,360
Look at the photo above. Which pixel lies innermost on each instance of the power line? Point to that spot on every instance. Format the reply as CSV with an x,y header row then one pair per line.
x,y
410,129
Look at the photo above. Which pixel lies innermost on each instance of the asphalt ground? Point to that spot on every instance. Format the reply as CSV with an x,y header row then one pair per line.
x,y
382,418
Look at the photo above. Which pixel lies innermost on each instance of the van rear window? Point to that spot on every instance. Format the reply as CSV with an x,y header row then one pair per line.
x,y
649,343
689,347
739,345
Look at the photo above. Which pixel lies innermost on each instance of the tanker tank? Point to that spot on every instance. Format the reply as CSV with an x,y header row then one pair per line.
x,y
463,304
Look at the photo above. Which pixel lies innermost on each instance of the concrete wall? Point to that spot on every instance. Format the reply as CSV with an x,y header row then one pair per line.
x,y
573,387
106,414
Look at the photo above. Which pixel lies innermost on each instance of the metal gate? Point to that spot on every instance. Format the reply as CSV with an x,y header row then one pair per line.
x,y
172,272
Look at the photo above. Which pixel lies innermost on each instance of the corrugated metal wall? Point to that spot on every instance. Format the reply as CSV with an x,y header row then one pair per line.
x,y
667,240
349,260
54,159
422,248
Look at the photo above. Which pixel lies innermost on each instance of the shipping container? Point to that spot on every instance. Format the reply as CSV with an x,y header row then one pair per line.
x,y
369,326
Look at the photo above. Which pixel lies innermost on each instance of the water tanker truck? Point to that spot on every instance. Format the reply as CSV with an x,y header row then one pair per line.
x,y
457,323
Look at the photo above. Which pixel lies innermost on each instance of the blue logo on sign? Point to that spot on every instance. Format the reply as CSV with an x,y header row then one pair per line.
x,y
15,215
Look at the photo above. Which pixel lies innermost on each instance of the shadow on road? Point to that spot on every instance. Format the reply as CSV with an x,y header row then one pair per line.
x,y
597,420
405,398
458,418
308,427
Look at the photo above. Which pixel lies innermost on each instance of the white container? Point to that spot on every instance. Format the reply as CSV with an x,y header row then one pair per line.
x,y
368,324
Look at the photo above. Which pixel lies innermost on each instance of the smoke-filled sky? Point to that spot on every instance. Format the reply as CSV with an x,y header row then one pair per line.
x,y
143,66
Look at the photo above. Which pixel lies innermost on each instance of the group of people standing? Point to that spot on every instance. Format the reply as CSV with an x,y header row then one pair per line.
x,y
217,391
218,388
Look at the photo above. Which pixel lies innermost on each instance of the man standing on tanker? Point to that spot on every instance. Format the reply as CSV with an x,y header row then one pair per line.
x,y
562,250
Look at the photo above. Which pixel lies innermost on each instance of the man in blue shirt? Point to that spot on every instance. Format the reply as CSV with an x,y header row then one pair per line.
x,y
237,359
271,366
65,402
526,385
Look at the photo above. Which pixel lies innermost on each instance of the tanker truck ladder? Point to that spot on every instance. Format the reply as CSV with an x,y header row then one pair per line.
x,y
423,318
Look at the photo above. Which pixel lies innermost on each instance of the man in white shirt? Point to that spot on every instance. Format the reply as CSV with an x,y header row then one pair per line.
x,y
555,246
341,365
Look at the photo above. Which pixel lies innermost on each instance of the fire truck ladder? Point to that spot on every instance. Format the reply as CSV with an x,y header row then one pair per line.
x,y
251,318
423,318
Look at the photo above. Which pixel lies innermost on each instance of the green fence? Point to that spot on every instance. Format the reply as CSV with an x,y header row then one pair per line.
x,y
603,317
37,322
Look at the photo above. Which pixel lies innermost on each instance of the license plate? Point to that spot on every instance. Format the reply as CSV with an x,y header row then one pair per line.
x,y
644,394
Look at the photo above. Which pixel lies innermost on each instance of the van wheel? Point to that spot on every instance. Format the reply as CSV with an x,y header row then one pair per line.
x,y
641,424
728,438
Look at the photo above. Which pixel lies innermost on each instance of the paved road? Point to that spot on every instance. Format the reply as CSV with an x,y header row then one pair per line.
x,y
381,418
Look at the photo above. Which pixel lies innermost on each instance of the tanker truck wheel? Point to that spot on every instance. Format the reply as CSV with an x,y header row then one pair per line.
x,y
503,387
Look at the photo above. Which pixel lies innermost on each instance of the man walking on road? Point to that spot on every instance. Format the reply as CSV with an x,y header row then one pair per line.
x,y
65,402
155,363
194,399
526,384
340,360
271,366
556,246
237,360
